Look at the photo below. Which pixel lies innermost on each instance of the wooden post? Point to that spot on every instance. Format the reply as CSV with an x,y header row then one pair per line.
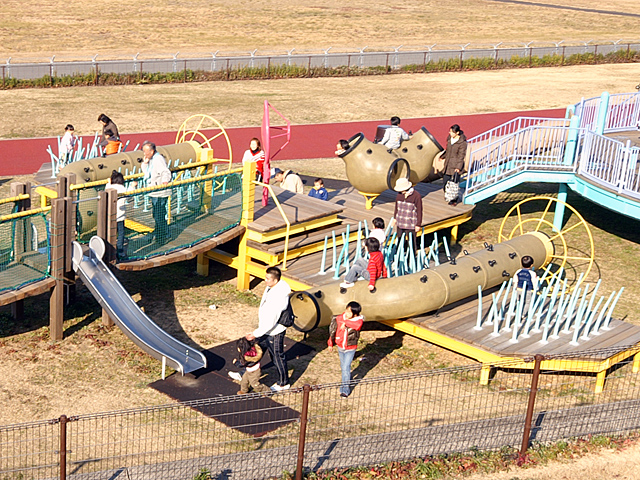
x,y
69,235
104,233
56,302
248,203
21,235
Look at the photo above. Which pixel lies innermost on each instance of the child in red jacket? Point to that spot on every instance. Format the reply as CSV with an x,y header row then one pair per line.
x,y
344,332
371,270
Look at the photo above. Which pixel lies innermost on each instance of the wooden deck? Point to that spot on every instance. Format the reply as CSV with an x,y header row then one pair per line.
x,y
457,321
345,207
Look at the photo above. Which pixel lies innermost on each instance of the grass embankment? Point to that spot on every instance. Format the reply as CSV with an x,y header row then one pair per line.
x,y
96,78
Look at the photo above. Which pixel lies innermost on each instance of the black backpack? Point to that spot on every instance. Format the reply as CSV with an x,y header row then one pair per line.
x,y
287,318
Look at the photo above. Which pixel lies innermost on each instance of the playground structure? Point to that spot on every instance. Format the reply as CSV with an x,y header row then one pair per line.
x,y
373,168
297,232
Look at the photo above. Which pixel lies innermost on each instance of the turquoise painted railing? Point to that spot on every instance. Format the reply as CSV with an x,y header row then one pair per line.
x,y
623,112
611,163
532,148
540,145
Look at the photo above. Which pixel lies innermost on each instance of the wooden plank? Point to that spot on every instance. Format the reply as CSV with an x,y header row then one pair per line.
x,y
297,207
184,254
31,290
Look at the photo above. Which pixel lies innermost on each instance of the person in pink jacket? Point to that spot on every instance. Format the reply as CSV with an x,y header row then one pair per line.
x,y
344,332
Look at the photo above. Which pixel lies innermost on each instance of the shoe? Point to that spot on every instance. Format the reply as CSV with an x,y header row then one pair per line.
x,y
236,376
347,285
279,388
344,395
242,393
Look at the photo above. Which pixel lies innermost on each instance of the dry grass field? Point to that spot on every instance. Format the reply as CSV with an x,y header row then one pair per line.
x,y
97,369
145,108
75,28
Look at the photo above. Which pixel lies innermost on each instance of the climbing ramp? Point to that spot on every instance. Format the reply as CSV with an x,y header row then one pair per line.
x,y
595,153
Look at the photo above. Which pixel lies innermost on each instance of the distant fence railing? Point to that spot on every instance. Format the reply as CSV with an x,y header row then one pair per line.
x,y
312,428
390,58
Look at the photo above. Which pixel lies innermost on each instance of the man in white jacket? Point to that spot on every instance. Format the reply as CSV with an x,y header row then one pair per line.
x,y
270,333
157,173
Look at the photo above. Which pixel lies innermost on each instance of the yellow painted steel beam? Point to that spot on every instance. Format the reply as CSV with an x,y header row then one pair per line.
x,y
295,229
491,361
443,341
136,226
254,269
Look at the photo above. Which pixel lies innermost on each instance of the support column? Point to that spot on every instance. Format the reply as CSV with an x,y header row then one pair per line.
x,y
104,232
202,266
603,108
572,141
248,203
56,302
558,217
485,374
636,363
600,378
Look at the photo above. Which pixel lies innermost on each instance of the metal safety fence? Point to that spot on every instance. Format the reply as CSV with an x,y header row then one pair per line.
x,y
313,428
387,58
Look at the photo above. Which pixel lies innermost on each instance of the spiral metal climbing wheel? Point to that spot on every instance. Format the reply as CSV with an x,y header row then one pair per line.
x,y
209,133
573,256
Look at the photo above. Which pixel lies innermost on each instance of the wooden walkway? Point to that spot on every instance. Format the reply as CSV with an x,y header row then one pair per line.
x,y
457,321
312,220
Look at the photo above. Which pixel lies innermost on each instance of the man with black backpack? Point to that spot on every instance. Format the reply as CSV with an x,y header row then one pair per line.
x,y
274,316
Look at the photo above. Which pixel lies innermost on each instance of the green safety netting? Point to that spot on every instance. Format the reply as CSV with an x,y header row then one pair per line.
x,y
24,251
169,219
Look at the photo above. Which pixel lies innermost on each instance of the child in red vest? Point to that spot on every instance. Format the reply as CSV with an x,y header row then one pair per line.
x,y
371,270
344,332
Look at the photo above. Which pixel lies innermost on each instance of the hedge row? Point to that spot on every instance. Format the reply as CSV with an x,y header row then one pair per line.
x,y
299,71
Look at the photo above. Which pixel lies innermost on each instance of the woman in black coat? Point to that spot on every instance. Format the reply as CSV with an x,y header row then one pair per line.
x,y
455,154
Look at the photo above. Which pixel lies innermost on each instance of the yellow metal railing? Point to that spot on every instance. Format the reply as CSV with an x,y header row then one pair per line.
x,y
25,213
284,217
17,198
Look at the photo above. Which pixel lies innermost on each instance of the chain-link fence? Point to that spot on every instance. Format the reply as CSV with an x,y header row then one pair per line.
x,y
392,58
314,428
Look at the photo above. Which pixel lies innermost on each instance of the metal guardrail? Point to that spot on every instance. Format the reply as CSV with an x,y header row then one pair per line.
x,y
393,58
535,144
531,148
399,417
611,163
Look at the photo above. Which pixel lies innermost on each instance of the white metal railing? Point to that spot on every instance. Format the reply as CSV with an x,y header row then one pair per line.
x,y
611,163
512,127
532,148
623,112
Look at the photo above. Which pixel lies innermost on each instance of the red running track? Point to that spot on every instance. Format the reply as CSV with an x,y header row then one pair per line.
x,y
26,156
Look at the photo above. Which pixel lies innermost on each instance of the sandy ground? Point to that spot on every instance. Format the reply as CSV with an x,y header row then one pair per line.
x,y
605,465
